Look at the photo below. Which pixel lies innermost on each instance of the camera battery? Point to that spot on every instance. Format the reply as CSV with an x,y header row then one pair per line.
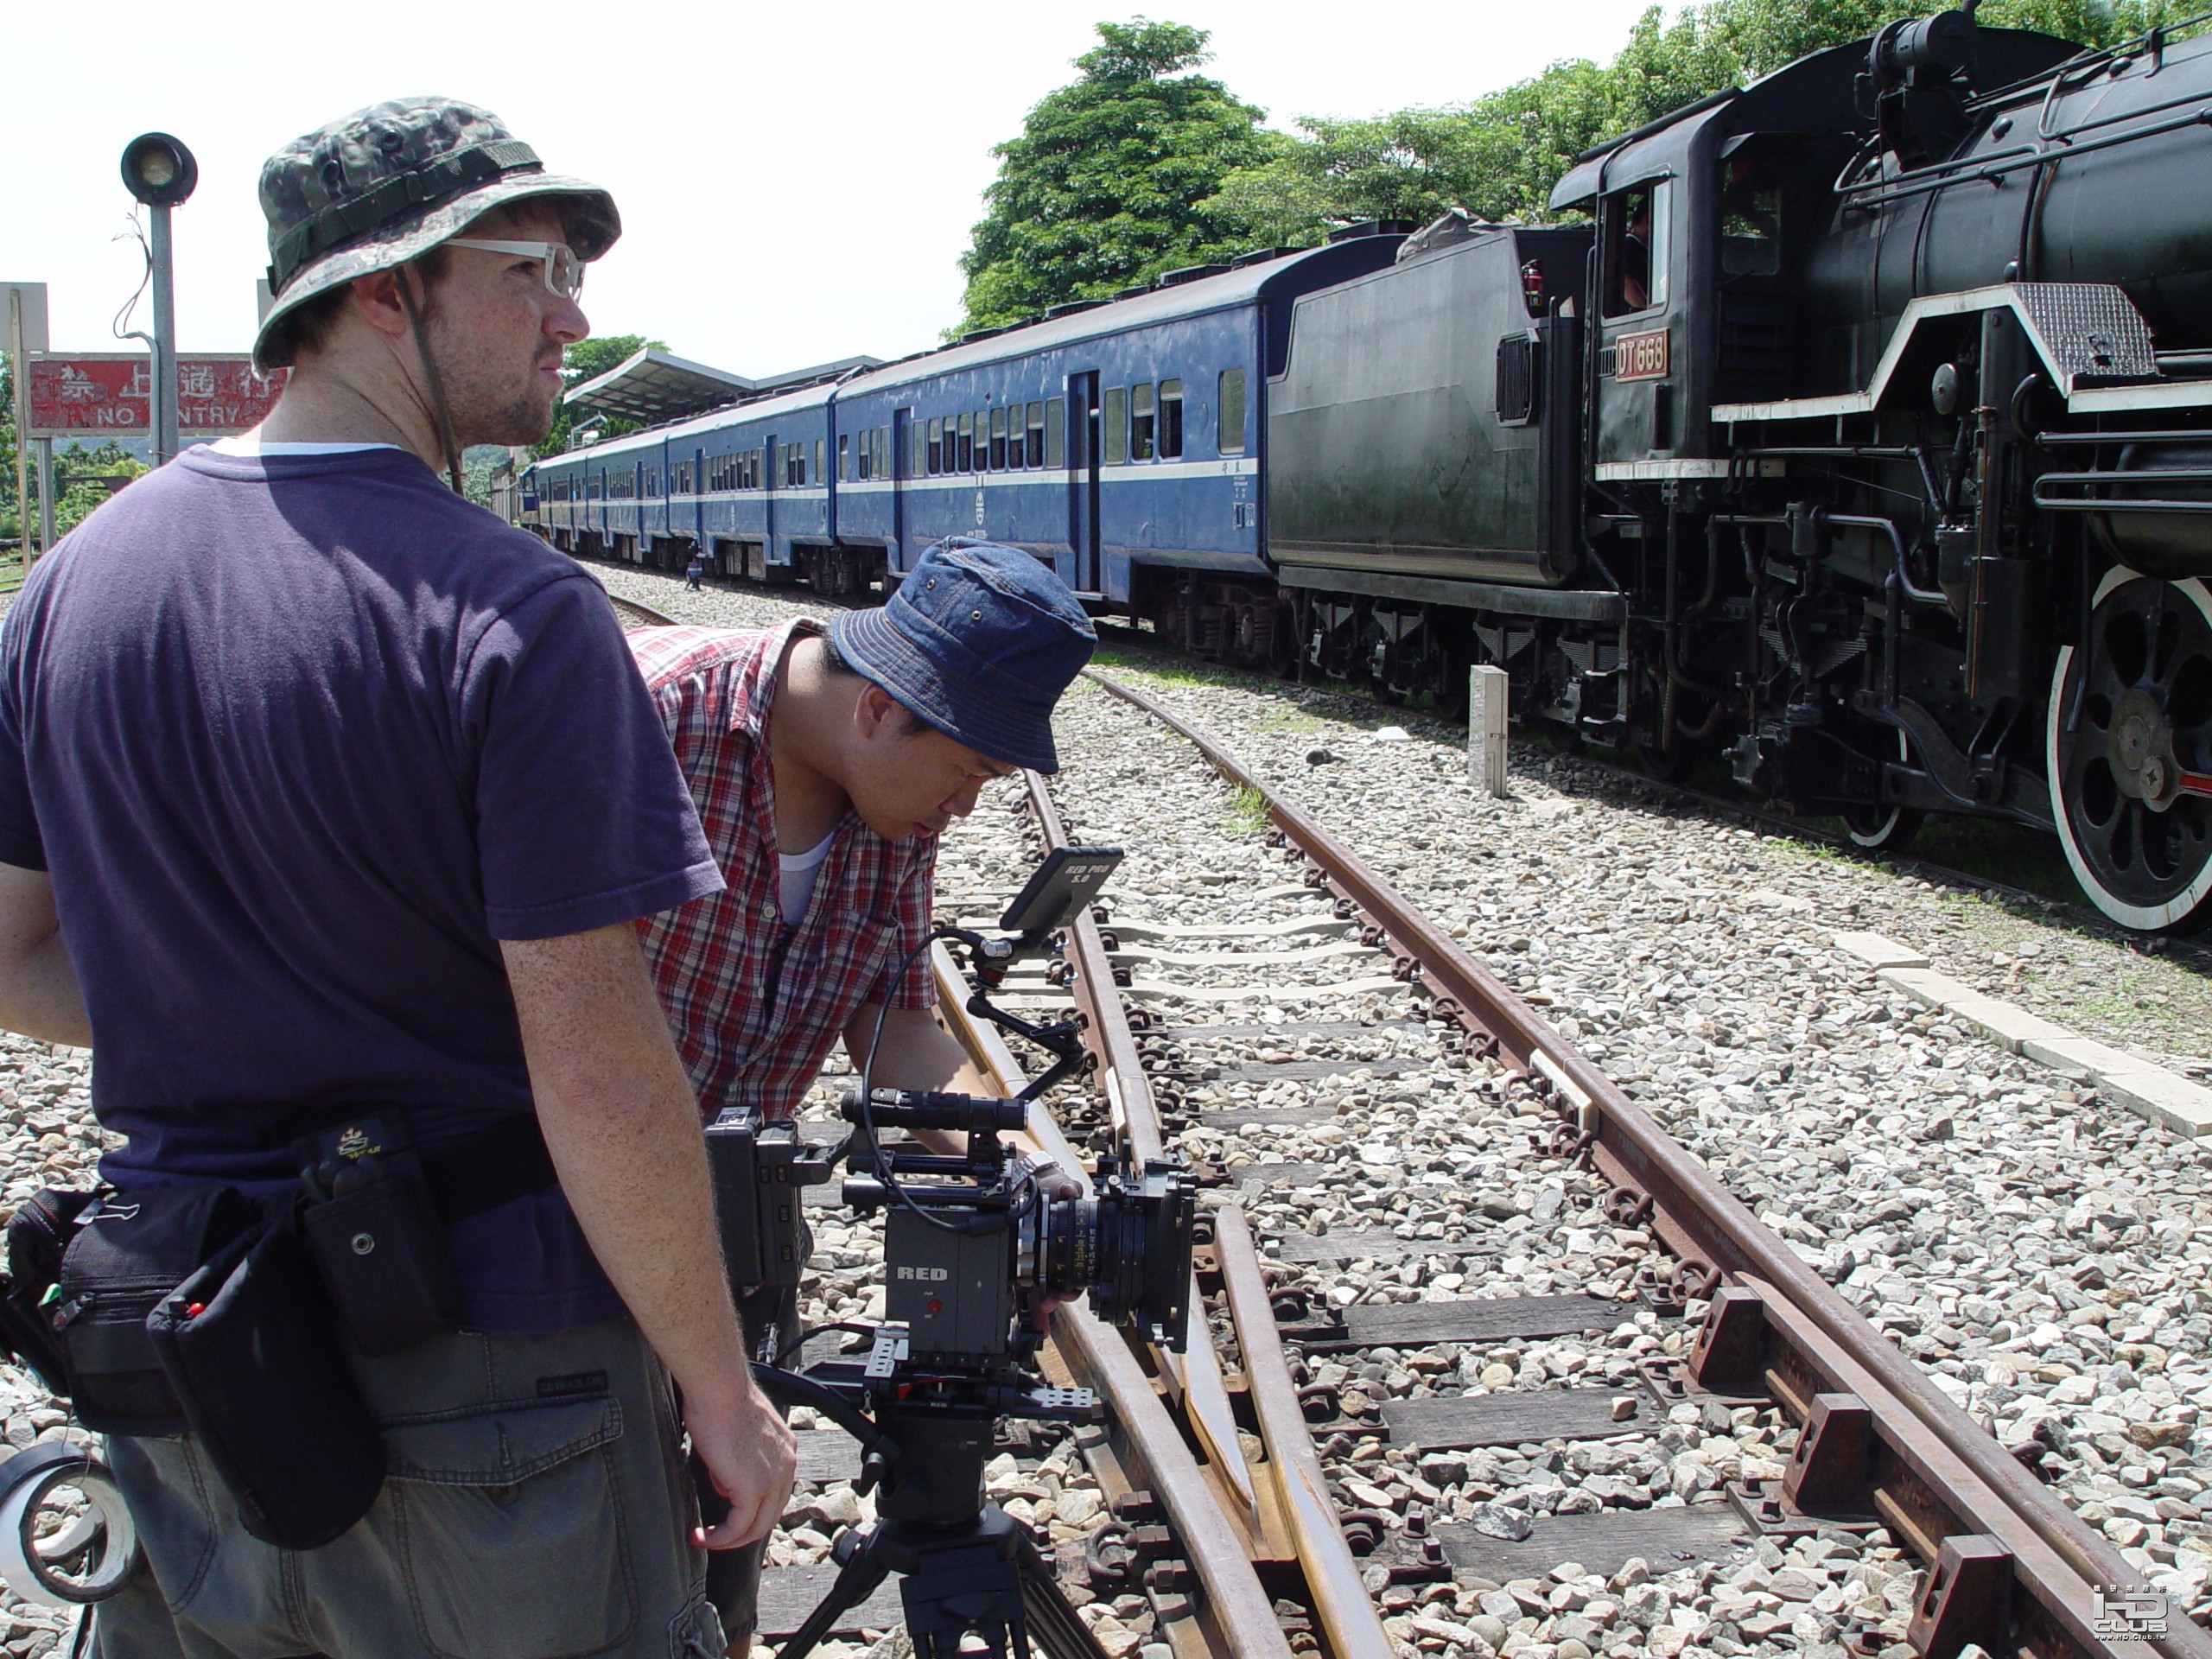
x,y
761,1174
952,1290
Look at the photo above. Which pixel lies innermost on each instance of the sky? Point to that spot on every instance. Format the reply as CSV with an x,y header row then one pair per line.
x,y
797,183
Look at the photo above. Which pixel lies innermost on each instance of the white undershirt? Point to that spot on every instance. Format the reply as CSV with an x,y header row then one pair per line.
x,y
250,447
795,878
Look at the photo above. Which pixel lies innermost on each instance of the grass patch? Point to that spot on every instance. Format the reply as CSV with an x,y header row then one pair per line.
x,y
1245,811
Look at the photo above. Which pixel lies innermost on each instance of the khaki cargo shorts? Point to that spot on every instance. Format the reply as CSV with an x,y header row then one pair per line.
x,y
537,1508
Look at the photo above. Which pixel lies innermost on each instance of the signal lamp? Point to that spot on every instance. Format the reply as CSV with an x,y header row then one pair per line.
x,y
158,169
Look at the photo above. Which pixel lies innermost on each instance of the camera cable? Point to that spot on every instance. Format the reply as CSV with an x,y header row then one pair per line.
x,y
983,1223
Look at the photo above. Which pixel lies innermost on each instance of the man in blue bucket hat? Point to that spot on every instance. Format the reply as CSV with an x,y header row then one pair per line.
x,y
824,765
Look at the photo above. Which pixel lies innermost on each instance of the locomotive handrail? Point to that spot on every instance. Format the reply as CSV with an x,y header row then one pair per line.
x,y
2178,434
1987,170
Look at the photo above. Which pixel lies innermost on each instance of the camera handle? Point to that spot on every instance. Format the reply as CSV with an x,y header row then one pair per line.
x,y
1063,1040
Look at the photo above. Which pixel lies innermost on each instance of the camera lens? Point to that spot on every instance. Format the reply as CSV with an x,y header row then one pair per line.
x,y
1129,1247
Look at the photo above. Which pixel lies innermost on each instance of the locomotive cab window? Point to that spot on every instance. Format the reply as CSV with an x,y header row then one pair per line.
x,y
1170,419
1638,243
1751,220
1231,427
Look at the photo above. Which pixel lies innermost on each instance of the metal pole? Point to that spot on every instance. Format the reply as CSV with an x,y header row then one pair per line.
x,y
45,498
164,413
22,420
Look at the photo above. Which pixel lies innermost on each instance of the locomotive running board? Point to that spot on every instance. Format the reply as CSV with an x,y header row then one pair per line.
x,y
2090,336
1567,604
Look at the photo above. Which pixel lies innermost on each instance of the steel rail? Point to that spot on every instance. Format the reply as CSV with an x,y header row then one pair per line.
x,y
1106,1022
1333,1576
1235,1607
1703,1222
1338,1598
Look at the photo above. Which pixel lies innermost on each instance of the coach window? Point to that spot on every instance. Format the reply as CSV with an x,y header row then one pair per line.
x,y
845,458
998,440
1170,419
1115,420
1017,439
1055,432
818,474
1231,410
983,440
935,454
963,455
1142,421
1637,245
1036,435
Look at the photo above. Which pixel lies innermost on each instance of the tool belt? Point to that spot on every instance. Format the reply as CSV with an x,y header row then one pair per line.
x,y
198,1308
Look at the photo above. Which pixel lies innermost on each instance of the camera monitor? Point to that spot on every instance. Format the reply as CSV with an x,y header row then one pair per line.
x,y
1068,879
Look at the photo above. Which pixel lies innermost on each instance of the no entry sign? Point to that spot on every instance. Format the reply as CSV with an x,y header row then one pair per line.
x,y
107,394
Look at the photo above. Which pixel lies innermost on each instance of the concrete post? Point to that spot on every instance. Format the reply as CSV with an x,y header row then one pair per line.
x,y
1486,728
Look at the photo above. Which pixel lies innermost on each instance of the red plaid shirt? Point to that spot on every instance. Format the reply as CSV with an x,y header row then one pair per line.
x,y
755,1013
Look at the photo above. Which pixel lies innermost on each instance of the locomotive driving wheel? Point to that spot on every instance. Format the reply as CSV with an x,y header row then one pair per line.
x,y
2129,749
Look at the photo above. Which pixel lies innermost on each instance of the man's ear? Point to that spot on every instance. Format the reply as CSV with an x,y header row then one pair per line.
x,y
376,298
876,712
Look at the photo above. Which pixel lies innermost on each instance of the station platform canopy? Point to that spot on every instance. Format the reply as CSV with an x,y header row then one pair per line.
x,y
653,387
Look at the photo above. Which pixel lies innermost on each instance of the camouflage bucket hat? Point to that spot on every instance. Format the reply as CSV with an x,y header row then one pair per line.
x,y
387,184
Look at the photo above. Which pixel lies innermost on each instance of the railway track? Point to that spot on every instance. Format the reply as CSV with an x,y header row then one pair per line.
x,y
2076,914
1260,1502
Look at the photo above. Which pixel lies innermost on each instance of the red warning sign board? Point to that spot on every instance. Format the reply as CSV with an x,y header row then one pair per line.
x,y
110,394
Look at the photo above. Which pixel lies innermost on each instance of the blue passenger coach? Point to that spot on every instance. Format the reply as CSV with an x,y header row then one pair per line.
x,y
1123,441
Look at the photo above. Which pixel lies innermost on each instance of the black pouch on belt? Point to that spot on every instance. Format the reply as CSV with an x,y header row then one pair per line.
x,y
131,1250
251,1347
367,1207
376,1208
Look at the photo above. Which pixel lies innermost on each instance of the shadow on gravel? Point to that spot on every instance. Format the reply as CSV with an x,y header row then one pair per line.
x,y
2013,868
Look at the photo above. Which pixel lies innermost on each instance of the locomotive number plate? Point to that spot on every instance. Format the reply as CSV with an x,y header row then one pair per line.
x,y
1640,357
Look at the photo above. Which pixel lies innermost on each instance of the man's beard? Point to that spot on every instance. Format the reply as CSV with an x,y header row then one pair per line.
x,y
479,412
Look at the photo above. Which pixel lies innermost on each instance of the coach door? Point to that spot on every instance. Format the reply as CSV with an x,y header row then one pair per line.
x,y
902,437
1083,481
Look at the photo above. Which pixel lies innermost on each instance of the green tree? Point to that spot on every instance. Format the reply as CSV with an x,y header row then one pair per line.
x,y
1112,179
1498,155
80,476
73,501
587,361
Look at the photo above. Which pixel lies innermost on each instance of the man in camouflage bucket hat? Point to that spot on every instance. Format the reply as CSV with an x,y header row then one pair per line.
x,y
389,184
323,792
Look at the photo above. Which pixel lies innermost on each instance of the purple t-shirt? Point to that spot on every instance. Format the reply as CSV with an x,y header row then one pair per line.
x,y
299,739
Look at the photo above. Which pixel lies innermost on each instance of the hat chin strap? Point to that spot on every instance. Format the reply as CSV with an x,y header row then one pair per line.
x,y
439,411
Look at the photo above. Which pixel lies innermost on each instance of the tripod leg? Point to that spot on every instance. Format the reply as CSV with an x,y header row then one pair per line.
x,y
857,1579
1048,1616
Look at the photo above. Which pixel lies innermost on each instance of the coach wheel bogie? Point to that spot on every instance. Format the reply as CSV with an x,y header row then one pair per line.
x,y
2128,744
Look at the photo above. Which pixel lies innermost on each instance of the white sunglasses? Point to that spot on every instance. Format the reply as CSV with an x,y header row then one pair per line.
x,y
565,272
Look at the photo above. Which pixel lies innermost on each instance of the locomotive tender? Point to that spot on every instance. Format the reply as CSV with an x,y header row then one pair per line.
x,y
1857,428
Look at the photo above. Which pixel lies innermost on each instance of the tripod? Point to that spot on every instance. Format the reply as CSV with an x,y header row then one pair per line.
x,y
965,1566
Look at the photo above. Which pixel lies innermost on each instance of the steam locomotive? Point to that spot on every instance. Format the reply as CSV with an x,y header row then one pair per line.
x,y
1855,426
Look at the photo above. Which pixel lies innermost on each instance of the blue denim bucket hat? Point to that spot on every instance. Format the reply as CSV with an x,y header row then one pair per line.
x,y
980,640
